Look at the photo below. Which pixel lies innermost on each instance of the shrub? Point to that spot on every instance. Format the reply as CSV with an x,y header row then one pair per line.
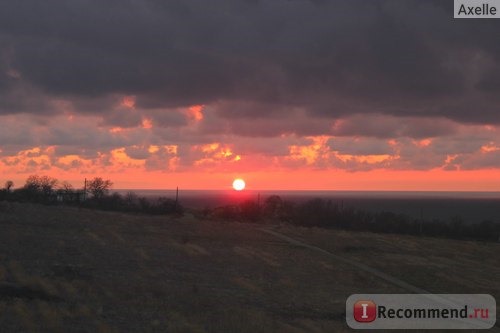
x,y
249,211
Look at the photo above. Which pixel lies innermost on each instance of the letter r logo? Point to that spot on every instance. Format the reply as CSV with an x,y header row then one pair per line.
x,y
365,311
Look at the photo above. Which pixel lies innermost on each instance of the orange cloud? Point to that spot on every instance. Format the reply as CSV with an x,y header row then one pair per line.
x,y
370,159
73,161
153,149
490,147
214,154
310,153
423,143
30,160
171,149
116,130
147,123
128,102
195,112
119,158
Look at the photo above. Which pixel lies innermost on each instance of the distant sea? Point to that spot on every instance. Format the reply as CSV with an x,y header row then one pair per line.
x,y
471,207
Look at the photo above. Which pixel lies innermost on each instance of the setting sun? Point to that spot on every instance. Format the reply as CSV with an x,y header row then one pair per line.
x,y
239,184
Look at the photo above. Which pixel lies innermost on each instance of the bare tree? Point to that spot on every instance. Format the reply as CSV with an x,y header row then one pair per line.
x,y
32,183
66,187
9,185
48,184
42,184
98,187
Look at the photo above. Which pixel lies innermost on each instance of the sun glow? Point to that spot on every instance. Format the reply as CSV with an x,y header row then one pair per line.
x,y
239,184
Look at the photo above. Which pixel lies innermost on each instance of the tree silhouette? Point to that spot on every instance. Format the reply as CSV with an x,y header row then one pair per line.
x,y
38,188
66,187
41,184
98,187
8,185
273,205
47,184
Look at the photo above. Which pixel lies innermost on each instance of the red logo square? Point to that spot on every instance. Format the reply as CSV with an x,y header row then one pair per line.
x,y
365,311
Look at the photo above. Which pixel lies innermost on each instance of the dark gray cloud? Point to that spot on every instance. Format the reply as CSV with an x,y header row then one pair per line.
x,y
360,146
328,58
379,126
267,120
489,160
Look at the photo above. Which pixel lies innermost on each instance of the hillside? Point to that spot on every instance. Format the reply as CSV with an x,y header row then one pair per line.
x,y
65,269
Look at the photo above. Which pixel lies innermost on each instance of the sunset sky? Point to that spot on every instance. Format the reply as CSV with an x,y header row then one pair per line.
x,y
286,94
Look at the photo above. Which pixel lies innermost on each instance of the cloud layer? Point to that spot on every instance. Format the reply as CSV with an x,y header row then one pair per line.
x,y
246,85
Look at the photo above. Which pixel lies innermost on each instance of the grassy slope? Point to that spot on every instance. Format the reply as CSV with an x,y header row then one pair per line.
x,y
69,270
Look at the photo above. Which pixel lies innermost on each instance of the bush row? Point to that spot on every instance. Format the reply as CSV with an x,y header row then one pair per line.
x,y
324,213
47,190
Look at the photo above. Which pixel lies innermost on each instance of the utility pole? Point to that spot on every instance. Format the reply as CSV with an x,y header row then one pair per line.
x,y
176,198
85,190
258,206
421,219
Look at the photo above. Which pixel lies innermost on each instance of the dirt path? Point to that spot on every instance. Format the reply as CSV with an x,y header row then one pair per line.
x,y
397,282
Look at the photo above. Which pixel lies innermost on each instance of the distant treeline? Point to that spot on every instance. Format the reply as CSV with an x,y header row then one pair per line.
x,y
95,194
327,214
312,213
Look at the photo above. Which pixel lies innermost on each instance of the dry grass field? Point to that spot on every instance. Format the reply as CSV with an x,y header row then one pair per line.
x,y
65,269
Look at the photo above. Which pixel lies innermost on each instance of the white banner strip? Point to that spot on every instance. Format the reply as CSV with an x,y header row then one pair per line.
x,y
476,9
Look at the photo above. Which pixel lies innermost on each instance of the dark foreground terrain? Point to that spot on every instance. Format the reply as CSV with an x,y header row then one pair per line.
x,y
66,269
